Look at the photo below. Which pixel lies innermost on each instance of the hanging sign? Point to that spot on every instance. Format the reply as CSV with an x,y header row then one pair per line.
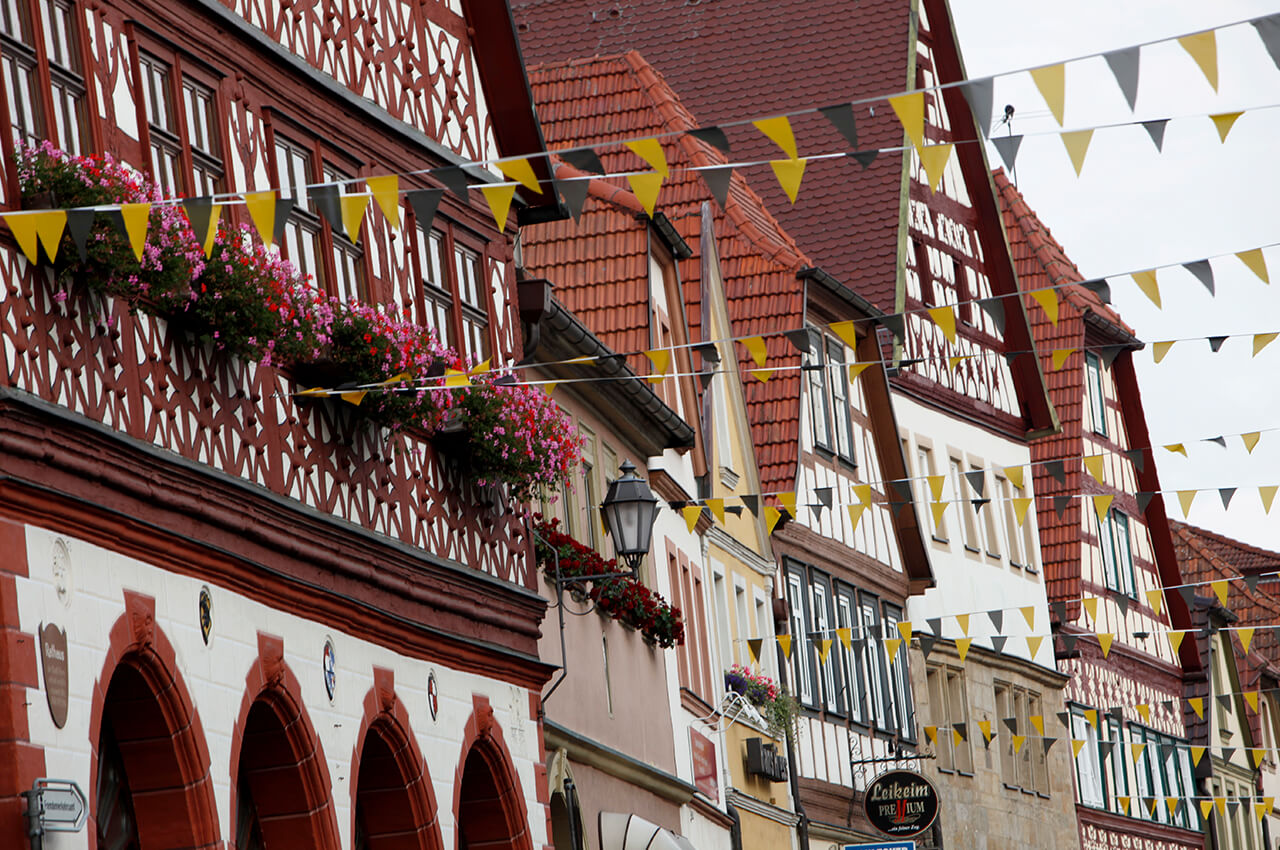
x,y
901,803
53,658
705,774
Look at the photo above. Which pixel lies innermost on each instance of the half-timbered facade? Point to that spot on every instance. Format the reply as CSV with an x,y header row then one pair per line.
x,y
268,624
1108,556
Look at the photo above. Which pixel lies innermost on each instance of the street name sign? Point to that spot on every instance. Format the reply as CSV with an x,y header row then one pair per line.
x,y
879,845
60,805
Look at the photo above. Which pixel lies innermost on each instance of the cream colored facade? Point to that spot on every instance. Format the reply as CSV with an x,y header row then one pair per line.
x,y
1238,827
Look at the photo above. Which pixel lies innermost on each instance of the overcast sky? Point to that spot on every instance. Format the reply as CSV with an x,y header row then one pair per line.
x,y
1133,208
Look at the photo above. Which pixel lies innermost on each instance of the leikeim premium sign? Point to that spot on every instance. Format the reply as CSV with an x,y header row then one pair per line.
x,y
901,803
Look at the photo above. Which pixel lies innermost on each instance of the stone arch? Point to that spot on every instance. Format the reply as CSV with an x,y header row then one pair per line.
x,y
157,759
279,776
488,805
393,806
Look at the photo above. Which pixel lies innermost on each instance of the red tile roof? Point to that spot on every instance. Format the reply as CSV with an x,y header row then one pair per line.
x,y
599,265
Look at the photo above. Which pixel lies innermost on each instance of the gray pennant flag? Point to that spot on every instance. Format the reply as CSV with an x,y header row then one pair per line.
x,y
1122,602
284,207
1059,611
926,644
824,495
1167,704
935,626
1251,582
994,307
1226,493
979,94
801,340
1109,353
705,378
817,512
1233,805
752,503
865,158
454,179
1144,499
895,324
1064,717
1069,643
1100,288
841,117
1106,748
1056,469
324,200
1220,440
997,619
1007,147
80,224
1203,272
117,218
998,642
1060,505
1224,700
858,644
1137,457
198,210
1010,723
1048,744
979,504
1188,594
963,729
425,202
1155,129
1124,65
978,481
708,351
1117,713
584,159
1215,345
1269,31
713,136
717,180
575,194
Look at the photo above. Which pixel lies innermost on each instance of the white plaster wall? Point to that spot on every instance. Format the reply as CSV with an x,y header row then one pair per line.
x,y
968,583
215,678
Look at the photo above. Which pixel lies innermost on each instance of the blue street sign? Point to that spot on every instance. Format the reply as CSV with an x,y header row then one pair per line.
x,y
881,845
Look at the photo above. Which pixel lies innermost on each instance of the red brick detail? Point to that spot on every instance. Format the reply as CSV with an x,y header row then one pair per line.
x,y
488,804
21,763
275,746
390,785
142,693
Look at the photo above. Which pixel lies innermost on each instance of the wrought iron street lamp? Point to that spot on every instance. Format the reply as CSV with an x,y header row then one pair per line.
x,y
629,511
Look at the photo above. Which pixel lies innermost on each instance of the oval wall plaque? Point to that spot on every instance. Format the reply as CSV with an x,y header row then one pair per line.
x,y
901,803
53,660
330,669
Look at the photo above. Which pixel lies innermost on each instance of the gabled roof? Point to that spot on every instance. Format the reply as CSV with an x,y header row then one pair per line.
x,y
599,264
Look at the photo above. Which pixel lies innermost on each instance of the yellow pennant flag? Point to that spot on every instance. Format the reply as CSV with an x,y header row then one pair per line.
x,y
262,210
1144,711
847,331
1052,83
1261,341
945,318
1020,506
1077,145
1246,638
855,514
353,207
856,369
1175,641
962,647
1185,498
1090,604
1101,504
846,637
549,387
789,502
354,396
1156,598
646,186
498,196
784,643
1076,746
692,513
863,492
717,509
1171,803
771,517
1091,714
1268,495
1104,641
1095,465
215,212
1033,645
661,360
780,133
756,348
1037,722
1060,356
824,649
1256,263
1160,349
1048,301
1015,476
1018,741
23,227
1029,614
892,644
386,191
1176,448
49,227
762,375
136,217
962,620
1147,283
957,737
1220,590
1124,803
904,629
932,732
1206,807
938,509
789,173
1250,440
985,726
1220,803
936,483
456,378
519,170
1137,750
910,111
1223,122
954,362
1197,753
1251,699
934,159
1203,47
650,150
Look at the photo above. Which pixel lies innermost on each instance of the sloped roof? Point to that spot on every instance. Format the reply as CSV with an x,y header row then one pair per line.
x,y
599,264
726,68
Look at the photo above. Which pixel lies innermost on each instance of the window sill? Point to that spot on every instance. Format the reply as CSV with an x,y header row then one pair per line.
x,y
970,549
944,541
